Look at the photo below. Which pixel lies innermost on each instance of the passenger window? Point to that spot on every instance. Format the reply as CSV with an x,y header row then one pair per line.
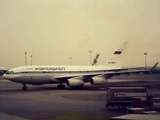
x,y
9,72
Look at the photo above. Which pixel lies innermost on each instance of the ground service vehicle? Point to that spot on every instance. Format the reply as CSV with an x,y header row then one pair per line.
x,y
156,103
123,96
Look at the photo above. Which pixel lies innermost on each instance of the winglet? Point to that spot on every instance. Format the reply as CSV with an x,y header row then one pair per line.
x,y
152,69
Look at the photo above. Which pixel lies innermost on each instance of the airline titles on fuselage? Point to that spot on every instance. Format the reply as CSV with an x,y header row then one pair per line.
x,y
50,68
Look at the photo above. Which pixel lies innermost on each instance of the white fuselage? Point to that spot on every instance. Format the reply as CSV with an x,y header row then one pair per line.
x,y
52,74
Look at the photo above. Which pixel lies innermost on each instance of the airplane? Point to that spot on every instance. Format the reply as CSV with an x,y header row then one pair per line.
x,y
72,76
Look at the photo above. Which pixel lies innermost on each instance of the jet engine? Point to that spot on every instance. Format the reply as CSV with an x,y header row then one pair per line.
x,y
98,80
73,82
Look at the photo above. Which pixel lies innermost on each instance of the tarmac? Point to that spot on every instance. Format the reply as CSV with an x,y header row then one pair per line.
x,y
46,101
10,117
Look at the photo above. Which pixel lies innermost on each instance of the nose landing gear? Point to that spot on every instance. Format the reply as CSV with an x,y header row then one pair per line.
x,y
24,87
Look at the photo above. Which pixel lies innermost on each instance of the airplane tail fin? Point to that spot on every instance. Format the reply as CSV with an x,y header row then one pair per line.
x,y
153,68
115,58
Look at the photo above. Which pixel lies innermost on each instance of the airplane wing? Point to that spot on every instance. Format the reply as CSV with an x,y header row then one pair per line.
x,y
83,76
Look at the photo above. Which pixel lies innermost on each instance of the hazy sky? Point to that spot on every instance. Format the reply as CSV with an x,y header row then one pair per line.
x,y
55,30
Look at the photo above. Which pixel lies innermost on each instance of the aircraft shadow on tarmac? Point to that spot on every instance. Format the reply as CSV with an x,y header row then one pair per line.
x,y
11,87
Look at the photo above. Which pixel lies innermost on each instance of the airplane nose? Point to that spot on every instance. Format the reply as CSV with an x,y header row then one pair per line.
x,y
10,76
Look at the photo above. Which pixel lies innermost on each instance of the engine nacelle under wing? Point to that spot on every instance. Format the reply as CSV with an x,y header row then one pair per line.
x,y
98,80
74,82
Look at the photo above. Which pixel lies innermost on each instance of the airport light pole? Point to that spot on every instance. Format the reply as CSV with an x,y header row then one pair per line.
x,y
31,59
25,58
90,56
145,54
70,60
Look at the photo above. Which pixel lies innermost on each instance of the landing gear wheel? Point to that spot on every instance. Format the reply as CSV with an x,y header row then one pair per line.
x,y
61,86
24,88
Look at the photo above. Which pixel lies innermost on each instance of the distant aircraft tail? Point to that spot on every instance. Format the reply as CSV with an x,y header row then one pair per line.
x,y
95,60
115,58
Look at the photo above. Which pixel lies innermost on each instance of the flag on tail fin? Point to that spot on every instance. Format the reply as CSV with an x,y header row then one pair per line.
x,y
115,58
118,52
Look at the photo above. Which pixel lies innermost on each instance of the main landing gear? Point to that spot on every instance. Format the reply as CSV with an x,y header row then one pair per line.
x,y
24,87
61,86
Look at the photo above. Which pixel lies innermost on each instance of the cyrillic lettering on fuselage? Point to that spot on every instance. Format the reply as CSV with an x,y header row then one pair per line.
x,y
50,68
